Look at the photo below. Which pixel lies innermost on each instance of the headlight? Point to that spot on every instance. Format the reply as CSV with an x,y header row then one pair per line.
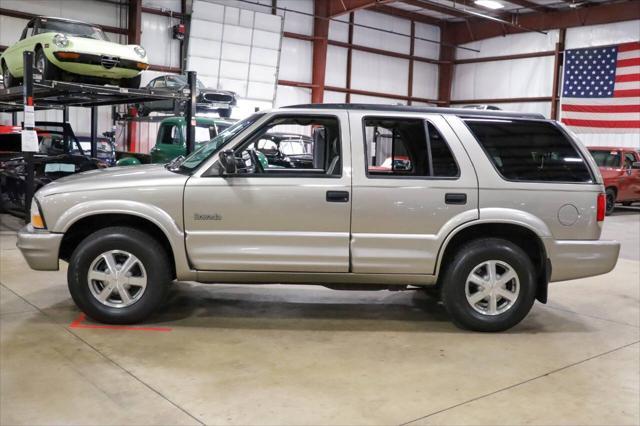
x,y
140,51
37,220
60,40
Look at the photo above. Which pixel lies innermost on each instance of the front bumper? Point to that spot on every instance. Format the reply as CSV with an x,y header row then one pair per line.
x,y
572,259
91,65
40,248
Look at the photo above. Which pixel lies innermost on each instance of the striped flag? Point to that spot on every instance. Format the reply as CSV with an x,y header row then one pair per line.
x,y
601,89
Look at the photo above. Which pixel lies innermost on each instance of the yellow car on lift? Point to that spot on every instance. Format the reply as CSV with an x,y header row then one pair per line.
x,y
70,50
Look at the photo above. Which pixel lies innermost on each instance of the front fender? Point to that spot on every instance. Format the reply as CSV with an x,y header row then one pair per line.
x,y
153,214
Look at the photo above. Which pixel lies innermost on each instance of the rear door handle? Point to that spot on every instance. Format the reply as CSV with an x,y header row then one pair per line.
x,y
452,198
337,196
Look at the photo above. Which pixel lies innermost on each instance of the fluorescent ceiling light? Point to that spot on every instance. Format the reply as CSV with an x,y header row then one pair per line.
x,y
489,4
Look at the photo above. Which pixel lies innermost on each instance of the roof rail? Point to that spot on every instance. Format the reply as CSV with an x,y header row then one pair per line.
x,y
433,110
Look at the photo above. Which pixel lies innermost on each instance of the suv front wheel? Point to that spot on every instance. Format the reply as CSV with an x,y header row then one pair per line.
x,y
489,285
119,275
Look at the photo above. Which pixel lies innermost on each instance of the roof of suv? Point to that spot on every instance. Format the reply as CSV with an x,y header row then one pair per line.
x,y
433,110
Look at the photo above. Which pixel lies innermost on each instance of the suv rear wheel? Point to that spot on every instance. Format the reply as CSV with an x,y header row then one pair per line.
x,y
119,275
489,285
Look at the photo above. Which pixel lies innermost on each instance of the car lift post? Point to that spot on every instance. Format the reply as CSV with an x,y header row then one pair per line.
x,y
190,113
27,98
94,132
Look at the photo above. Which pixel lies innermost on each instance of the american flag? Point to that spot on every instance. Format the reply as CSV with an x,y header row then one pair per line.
x,y
601,89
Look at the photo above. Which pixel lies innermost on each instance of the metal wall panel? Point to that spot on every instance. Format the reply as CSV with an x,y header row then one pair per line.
x,y
221,50
379,73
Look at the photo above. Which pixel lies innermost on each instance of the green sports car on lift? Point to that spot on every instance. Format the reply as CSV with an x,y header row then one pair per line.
x,y
70,50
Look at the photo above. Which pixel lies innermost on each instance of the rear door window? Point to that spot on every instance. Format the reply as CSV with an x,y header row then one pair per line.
x,y
534,151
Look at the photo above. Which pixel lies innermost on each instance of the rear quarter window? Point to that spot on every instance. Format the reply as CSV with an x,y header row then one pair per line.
x,y
534,151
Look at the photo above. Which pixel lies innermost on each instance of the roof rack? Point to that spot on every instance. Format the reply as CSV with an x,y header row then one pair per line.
x,y
463,112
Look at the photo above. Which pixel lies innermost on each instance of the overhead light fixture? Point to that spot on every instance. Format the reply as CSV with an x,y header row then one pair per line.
x,y
489,4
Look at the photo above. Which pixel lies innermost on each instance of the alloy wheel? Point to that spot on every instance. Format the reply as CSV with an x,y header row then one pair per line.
x,y
117,279
492,287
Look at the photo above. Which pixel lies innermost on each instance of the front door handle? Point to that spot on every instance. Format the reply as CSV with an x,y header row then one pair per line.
x,y
452,198
337,196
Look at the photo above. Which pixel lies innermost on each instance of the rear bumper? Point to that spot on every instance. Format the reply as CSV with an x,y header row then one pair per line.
x,y
572,259
39,248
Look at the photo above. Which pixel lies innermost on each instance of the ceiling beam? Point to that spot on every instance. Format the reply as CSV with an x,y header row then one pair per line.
x,y
593,14
531,5
340,7
437,8
405,14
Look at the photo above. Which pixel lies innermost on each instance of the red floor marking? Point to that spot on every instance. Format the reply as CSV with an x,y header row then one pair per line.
x,y
79,323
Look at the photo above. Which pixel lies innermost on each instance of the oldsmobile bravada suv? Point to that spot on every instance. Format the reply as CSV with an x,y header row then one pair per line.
x,y
483,207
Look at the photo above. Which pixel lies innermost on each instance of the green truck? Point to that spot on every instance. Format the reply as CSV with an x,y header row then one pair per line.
x,y
171,141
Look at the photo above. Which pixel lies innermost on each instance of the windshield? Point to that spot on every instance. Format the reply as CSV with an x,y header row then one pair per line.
x,y
207,150
181,80
606,158
295,147
78,29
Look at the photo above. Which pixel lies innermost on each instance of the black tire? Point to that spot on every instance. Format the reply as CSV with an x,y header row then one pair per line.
x,y
467,259
7,79
48,70
611,201
224,113
146,249
131,83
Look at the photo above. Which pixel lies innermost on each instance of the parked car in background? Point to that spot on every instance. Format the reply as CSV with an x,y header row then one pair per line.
x,y
491,211
10,141
171,139
65,49
56,159
207,99
620,169
106,149
286,150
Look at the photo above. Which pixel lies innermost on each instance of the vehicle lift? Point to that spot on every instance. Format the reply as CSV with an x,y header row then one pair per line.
x,y
46,95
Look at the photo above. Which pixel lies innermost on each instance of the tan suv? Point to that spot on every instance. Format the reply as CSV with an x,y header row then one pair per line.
x,y
486,207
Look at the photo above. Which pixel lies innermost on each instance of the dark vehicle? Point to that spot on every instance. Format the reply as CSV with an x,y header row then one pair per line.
x,y
207,100
54,161
10,141
620,170
286,150
106,149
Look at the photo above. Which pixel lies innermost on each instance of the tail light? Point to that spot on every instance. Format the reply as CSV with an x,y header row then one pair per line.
x,y
602,206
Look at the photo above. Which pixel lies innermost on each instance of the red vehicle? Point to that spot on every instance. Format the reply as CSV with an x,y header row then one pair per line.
x,y
620,170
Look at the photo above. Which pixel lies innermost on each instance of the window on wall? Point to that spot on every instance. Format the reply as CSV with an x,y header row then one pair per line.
x,y
293,144
406,147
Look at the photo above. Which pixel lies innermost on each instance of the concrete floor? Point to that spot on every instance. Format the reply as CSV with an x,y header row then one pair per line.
x,y
274,355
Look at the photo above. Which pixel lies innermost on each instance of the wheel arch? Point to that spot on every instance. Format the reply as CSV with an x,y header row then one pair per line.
x,y
518,233
87,225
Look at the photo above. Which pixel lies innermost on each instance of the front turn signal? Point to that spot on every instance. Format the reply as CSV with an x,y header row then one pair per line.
x,y
37,221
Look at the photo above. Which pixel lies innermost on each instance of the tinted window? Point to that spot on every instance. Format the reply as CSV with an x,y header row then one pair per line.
x,y
606,158
629,159
530,150
406,147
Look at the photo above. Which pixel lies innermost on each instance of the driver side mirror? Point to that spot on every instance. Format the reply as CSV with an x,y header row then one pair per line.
x,y
635,165
228,162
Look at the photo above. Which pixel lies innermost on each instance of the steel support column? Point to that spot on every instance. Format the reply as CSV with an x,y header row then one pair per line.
x,y
557,68
349,56
320,42
445,67
190,113
27,98
135,22
94,132
412,49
